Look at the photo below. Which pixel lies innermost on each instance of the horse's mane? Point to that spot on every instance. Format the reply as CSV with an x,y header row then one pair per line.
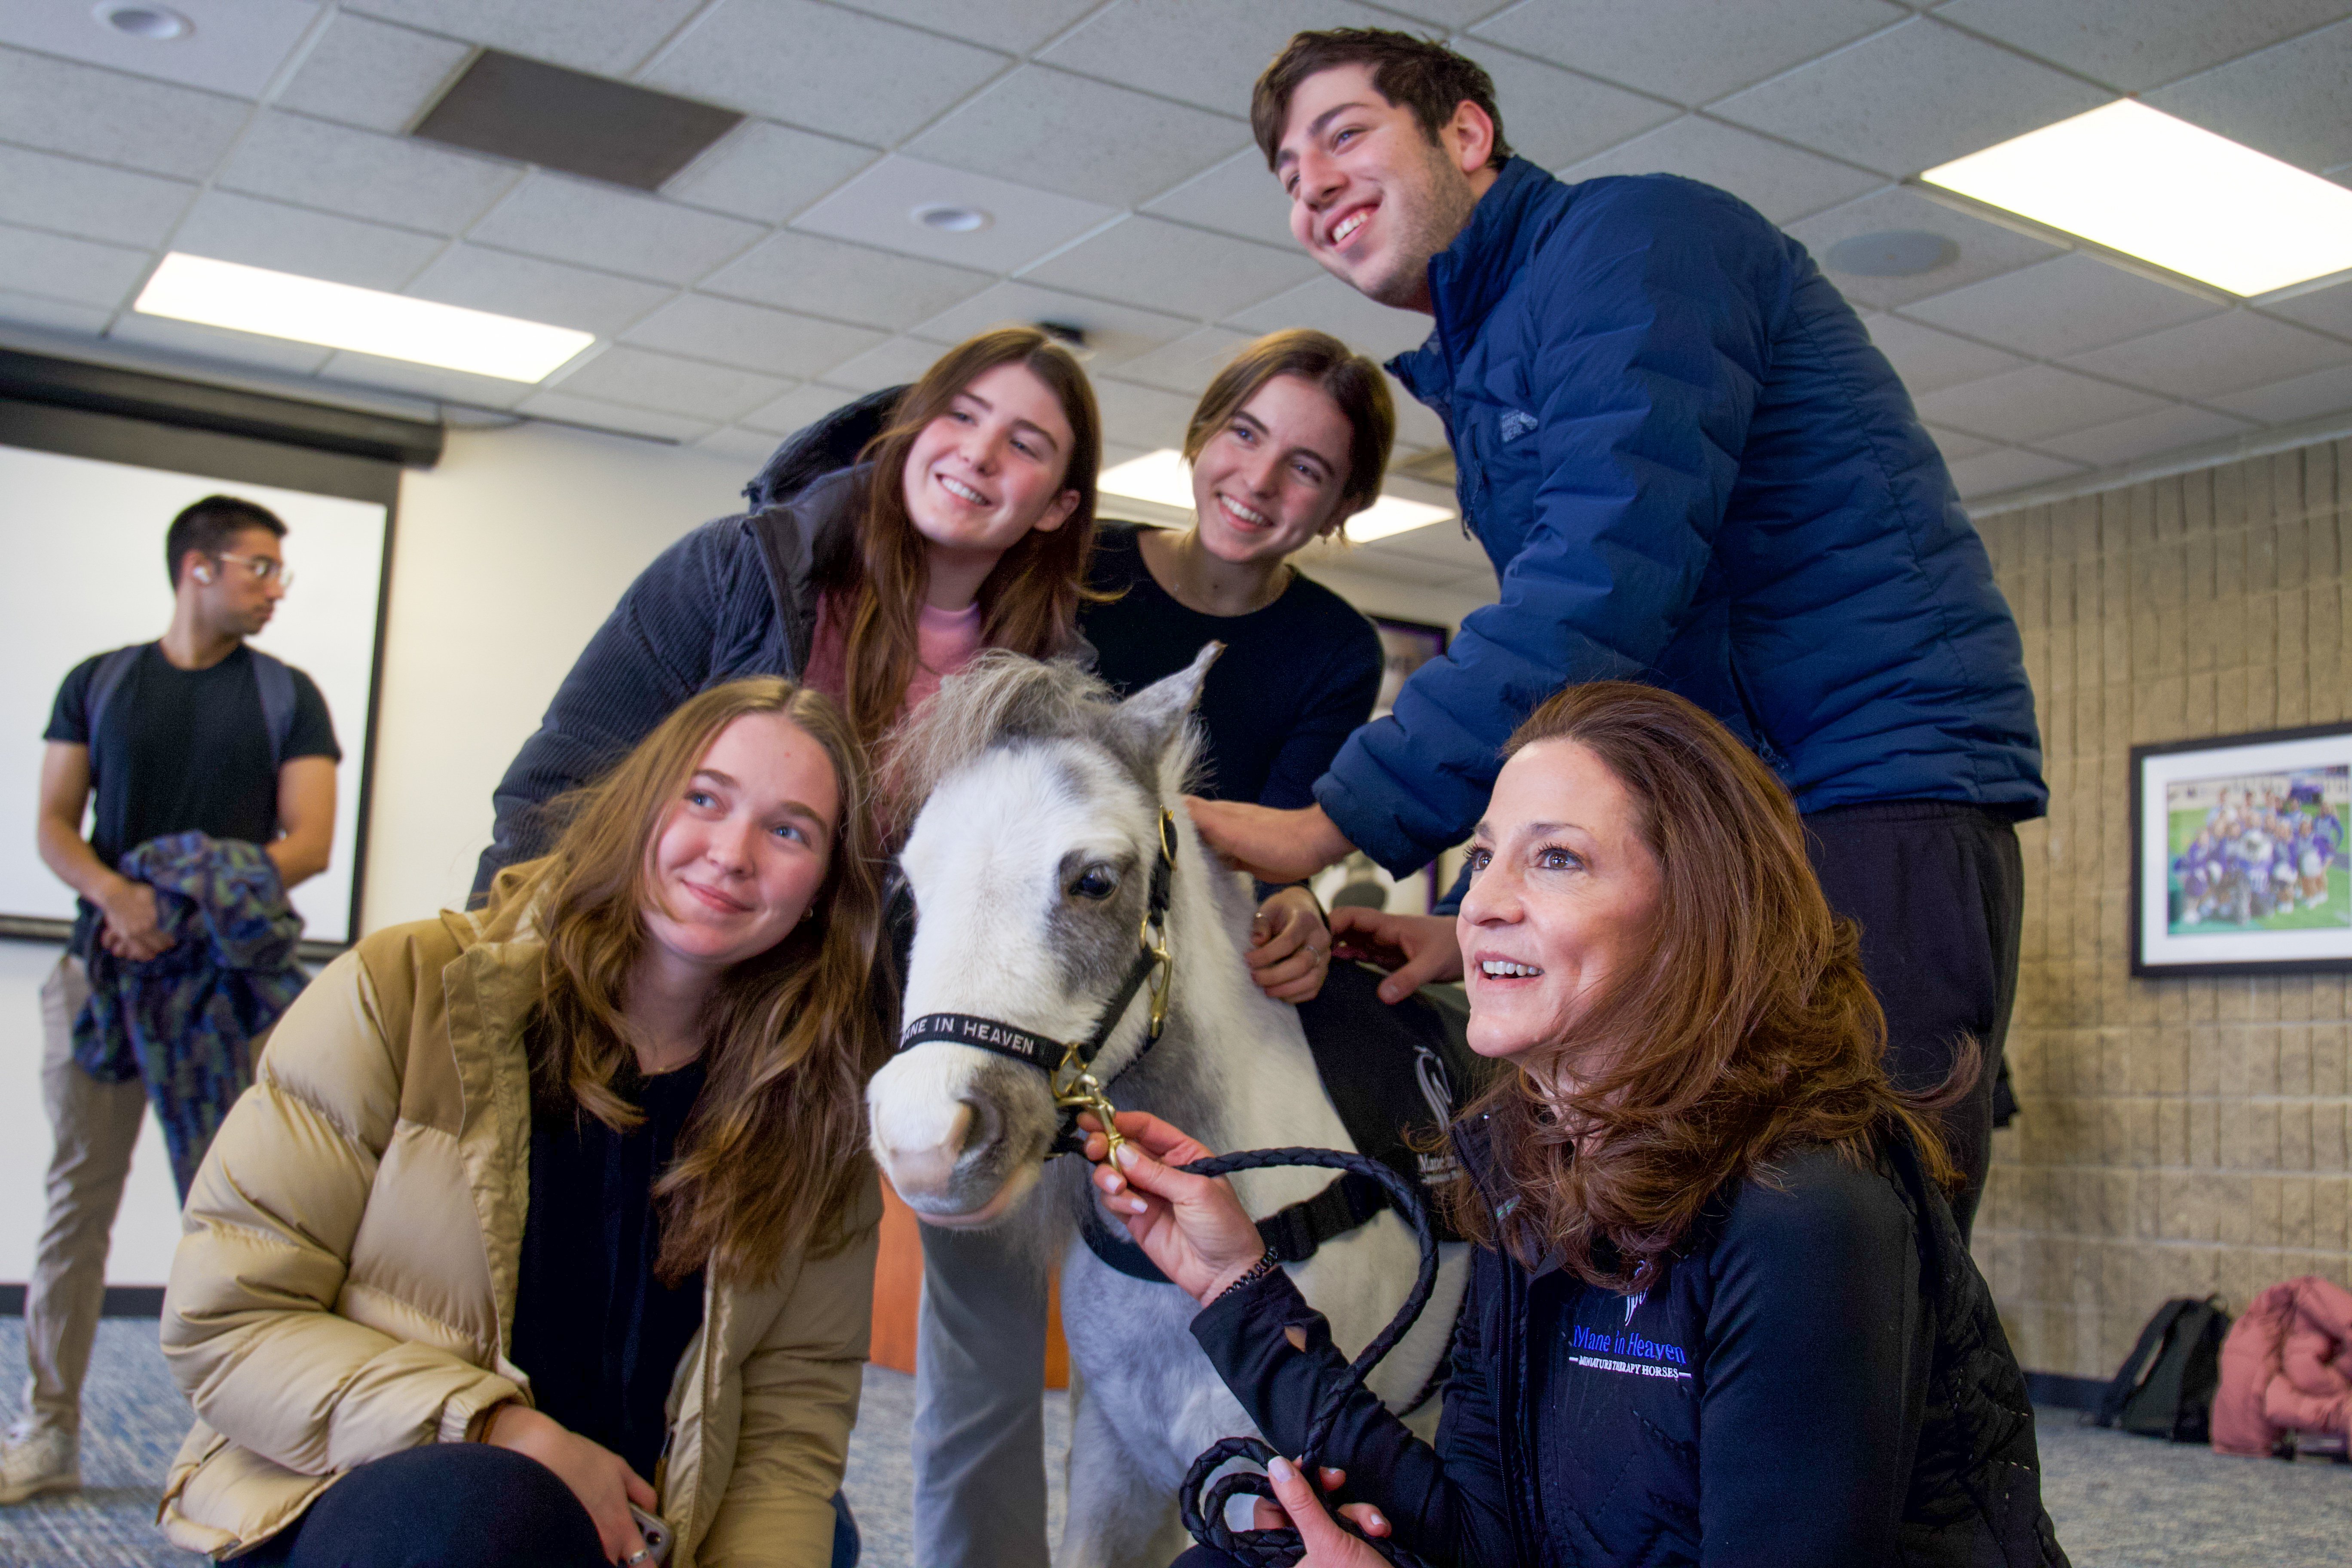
x,y
1002,696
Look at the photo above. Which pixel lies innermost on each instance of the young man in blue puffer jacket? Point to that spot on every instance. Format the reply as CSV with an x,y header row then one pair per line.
x,y
1689,466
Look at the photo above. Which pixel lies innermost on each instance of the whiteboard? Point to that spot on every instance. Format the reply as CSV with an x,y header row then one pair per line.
x,y
83,571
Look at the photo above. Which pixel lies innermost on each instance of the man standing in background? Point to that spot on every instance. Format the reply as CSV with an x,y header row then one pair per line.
x,y
1689,466
213,768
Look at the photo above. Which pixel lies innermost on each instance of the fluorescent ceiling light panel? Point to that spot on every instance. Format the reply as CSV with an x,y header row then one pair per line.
x,y
365,321
1165,479
2136,180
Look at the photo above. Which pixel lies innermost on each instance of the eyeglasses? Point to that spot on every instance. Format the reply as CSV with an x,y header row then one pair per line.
x,y
263,567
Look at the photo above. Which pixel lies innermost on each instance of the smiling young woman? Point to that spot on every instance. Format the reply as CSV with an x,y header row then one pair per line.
x,y
1720,1311
545,1214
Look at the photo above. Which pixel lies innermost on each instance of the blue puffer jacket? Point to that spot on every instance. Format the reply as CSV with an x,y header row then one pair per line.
x,y
1689,466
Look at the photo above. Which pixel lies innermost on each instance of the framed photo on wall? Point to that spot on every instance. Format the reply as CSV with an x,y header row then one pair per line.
x,y
2239,863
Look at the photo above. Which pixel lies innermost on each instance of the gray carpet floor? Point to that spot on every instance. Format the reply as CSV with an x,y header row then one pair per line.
x,y
2119,1501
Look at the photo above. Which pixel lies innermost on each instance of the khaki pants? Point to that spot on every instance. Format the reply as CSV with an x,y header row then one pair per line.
x,y
96,1127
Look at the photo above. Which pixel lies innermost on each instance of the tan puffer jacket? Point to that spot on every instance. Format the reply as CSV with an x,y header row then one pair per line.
x,y
345,1282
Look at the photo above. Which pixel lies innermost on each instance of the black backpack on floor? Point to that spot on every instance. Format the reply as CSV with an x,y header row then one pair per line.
x,y
2166,1386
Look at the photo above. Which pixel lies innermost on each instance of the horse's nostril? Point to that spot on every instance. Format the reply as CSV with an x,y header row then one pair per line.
x,y
984,1125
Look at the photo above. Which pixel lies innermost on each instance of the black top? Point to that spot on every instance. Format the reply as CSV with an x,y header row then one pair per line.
x,y
1296,679
1819,1381
186,751
601,1336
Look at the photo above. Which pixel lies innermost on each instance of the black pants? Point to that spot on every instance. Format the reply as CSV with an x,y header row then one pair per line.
x,y
459,1505
1938,888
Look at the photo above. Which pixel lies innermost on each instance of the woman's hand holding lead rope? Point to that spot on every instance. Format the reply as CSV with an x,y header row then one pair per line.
x,y
1192,1226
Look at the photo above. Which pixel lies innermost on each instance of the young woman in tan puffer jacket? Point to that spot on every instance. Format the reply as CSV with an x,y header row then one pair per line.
x,y
538,1215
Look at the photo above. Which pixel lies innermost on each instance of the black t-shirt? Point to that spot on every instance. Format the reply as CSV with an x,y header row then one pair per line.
x,y
600,1335
1296,679
185,751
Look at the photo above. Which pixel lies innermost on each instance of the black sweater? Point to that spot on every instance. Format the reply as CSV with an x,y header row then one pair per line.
x,y
1819,1380
1296,679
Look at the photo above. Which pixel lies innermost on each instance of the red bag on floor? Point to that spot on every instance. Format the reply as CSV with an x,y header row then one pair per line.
x,y
2287,1368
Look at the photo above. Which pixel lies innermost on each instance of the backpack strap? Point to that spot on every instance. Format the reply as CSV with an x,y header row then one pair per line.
x,y
104,682
279,703
2126,1382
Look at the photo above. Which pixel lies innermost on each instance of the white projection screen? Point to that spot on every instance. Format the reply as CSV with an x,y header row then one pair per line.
x,y
84,572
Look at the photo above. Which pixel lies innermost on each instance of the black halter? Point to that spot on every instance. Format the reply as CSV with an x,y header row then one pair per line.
x,y
1070,1064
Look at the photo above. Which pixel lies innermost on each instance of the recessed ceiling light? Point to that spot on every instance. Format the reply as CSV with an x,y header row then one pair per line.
x,y
1165,479
949,218
157,23
1891,253
364,320
2135,180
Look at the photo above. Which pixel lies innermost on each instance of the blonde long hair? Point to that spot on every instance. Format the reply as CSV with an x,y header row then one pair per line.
x,y
775,1147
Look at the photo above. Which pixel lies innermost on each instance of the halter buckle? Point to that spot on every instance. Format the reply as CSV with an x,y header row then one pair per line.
x,y
1076,1089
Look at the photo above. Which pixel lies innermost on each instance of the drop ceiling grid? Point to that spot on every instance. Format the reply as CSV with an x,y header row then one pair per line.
x,y
1792,112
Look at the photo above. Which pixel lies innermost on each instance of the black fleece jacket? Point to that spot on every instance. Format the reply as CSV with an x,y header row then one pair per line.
x,y
1819,1380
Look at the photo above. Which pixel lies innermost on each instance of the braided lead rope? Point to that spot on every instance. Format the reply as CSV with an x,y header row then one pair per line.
x,y
1204,1512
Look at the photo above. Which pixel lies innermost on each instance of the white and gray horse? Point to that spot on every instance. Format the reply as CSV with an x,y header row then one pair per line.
x,y
1031,863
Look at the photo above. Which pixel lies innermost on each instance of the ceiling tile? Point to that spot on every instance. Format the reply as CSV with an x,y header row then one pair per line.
x,y
2329,308
1783,183
1687,51
570,408
751,449
2008,468
1189,363
1207,52
619,231
481,278
1910,99
643,379
2290,101
1115,334
150,125
1553,117
2220,353
1014,26
230,228
1957,443
752,336
608,36
1929,360
79,272
1447,13
1237,195
801,407
371,74
232,46
213,343
2287,402
1081,137
877,207
2061,306
1165,265
2144,434
894,362
1330,306
2135,45
1141,416
452,386
1985,249
391,179
821,277
92,200
2028,404
766,172
822,67
50,315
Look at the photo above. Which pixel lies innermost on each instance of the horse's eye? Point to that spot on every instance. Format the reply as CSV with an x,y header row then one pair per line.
x,y
1094,882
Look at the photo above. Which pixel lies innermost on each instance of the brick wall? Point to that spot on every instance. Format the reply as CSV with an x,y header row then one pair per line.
x,y
2177,1137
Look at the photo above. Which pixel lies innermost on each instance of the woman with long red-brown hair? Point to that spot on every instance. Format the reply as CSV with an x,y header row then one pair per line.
x,y
1720,1312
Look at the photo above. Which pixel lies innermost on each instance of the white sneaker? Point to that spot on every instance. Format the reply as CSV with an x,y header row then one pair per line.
x,y
36,1462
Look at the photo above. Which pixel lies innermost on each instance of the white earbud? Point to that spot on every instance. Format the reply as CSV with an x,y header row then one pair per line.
x,y
204,573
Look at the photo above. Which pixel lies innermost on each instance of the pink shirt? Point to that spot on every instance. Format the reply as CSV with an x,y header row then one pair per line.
x,y
945,641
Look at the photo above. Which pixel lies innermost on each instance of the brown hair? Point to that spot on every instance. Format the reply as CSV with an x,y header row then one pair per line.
x,y
1029,603
210,526
1347,377
774,1149
1420,74
1748,1027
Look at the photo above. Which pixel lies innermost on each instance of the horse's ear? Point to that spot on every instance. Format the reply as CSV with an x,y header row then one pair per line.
x,y
1154,717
